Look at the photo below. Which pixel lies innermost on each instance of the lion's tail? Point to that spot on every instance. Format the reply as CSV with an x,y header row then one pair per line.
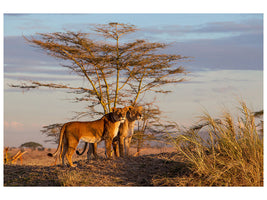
x,y
85,146
60,141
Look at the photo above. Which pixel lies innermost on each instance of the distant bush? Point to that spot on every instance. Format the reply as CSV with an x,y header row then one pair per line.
x,y
229,154
32,145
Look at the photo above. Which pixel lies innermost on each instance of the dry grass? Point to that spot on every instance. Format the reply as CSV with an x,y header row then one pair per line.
x,y
40,158
230,154
146,170
224,152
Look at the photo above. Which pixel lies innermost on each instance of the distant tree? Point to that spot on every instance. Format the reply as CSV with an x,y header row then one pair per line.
x,y
32,145
52,131
118,72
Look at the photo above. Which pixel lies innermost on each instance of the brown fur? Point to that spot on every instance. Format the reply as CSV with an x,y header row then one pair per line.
x,y
105,128
121,143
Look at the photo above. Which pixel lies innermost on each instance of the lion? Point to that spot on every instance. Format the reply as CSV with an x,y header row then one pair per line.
x,y
126,130
92,150
105,128
122,141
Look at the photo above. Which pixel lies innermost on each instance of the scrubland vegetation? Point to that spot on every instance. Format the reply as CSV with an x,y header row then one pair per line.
x,y
216,152
231,152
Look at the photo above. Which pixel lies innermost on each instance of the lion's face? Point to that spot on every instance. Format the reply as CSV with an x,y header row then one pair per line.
x,y
134,113
119,114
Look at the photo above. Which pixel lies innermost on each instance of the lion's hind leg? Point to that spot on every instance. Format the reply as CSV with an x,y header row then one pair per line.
x,y
69,155
71,147
63,152
95,150
92,151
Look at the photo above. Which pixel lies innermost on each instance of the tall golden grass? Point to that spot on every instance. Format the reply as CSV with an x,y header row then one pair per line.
x,y
230,154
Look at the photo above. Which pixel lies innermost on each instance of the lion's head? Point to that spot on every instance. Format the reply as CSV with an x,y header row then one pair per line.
x,y
119,114
134,113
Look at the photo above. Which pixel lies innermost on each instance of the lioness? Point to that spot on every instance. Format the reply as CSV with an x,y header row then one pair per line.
x,y
105,128
123,139
126,130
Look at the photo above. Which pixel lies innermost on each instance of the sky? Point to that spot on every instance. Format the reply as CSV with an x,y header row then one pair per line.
x,y
226,66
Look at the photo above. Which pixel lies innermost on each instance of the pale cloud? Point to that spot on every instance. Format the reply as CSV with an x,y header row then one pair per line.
x,y
23,62
214,45
237,52
223,27
245,26
18,52
226,89
13,125
39,76
18,24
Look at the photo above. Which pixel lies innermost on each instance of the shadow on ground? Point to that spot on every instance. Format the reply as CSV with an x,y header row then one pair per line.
x,y
165,169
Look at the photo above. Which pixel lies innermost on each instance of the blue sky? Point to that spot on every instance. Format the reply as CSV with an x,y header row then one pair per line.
x,y
28,24
227,65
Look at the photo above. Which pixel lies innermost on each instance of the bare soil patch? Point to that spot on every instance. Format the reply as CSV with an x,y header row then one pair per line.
x,y
148,169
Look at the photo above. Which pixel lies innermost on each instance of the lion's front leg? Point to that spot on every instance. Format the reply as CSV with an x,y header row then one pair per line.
x,y
95,150
115,144
108,143
92,150
127,145
121,146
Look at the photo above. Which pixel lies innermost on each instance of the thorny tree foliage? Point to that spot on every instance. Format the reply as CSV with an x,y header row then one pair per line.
x,y
153,128
118,73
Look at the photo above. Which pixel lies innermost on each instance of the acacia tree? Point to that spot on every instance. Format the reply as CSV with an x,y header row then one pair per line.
x,y
117,72
32,145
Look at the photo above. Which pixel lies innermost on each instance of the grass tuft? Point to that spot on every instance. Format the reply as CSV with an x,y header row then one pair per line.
x,y
224,152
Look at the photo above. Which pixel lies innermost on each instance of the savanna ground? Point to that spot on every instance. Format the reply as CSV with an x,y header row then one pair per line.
x,y
153,167
228,153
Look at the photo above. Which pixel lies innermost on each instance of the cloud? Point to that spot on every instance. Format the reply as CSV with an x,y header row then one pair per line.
x,y
17,24
224,90
18,51
218,28
21,61
13,125
230,45
217,45
238,52
246,26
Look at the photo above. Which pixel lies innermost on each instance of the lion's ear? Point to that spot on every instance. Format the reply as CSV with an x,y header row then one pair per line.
x,y
126,108
130,107
113,109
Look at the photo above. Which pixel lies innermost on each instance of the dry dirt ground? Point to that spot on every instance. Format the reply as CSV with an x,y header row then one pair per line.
x,y
153,167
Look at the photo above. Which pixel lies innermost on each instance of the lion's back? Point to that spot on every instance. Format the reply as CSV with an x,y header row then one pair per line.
x,y
91,128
